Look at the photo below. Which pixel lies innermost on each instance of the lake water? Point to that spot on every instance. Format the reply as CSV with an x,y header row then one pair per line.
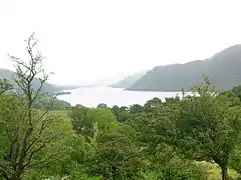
x,y
92,96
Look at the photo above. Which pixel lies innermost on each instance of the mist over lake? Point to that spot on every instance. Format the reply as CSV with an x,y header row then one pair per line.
x,y
92,96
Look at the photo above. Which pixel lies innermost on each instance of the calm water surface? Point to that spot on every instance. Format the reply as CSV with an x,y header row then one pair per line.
x,y
92,96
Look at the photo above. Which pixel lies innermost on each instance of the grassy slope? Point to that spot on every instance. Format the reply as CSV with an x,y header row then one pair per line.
x,y
63,114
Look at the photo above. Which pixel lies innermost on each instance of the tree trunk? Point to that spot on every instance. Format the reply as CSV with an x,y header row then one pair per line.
x,y
224,172
223,164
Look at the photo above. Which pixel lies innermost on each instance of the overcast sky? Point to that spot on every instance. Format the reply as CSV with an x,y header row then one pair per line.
x,y
91,39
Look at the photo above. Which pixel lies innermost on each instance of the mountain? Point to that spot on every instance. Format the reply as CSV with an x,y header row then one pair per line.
x,y
103,81
128,81
223,68
8,74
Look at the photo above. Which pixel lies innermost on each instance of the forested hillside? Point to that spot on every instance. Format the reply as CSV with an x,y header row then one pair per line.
x,y
223,69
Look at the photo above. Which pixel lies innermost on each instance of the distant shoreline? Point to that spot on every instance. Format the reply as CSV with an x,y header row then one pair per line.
x,y
62,93
148,90
124,89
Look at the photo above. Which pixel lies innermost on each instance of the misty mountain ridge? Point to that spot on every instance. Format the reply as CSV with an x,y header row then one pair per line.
x,y
51,87
8,74
223,68
128,81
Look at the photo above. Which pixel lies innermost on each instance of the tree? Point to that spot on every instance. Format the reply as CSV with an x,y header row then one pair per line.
x,y
168,165
122,113
80,122
236,89
27,132
102,120
72,164
5,86
117,155
61,150
235,160
155,129
123,108
207,126
116,160
92,123
102,105
136,108
152,103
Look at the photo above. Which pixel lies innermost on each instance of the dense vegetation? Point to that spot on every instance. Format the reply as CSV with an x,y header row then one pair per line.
x,y
182,138
222,68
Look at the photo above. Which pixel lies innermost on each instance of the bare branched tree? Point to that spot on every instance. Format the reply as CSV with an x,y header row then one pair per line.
x,y
27,130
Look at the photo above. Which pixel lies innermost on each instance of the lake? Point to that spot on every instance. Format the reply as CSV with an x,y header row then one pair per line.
x,y
92,96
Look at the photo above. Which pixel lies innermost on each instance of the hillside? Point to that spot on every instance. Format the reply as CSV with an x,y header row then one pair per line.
x,y
223,68
7,74
128,81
